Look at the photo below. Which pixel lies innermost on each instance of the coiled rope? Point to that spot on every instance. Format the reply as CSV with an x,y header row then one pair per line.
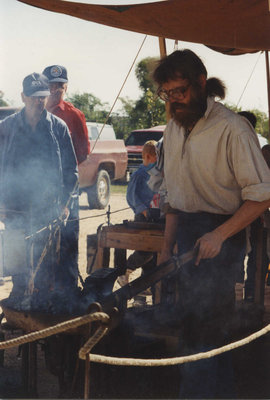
x,y
53,330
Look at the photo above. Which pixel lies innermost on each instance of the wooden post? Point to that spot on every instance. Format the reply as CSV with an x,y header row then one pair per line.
x,y
163,53
33,369
86,377
162,47
259,276
268,88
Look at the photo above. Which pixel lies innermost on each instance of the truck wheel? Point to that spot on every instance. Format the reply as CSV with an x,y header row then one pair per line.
x,y
99,194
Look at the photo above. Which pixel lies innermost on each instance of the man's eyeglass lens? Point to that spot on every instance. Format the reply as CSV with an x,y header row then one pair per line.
x,y
176,93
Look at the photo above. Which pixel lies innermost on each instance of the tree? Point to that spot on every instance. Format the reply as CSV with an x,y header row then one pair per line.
x,y
149,110
92,107
145,112
3,103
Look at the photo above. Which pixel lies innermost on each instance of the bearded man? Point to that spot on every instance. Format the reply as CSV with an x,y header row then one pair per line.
x,y
217,183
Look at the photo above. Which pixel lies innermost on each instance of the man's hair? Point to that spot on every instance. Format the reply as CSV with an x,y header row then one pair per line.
x,y
150,148
185,64
266,147
250,117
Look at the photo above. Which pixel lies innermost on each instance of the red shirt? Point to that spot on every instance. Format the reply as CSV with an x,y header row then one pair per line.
x,y
76,123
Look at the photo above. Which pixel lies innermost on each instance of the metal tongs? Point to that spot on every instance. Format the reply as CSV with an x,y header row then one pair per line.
x,y
166,269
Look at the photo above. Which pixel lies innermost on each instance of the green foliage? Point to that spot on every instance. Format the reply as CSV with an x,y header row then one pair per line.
x,y
143,72
148,110
91,106
145,112
262,125
3,103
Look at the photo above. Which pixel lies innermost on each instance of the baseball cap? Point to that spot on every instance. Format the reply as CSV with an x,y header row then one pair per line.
x,y
56,73
35,85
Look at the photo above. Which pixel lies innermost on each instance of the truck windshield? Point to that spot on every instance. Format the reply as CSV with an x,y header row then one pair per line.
x,y
138,138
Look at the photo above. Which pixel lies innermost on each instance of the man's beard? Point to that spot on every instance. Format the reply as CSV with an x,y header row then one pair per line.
x,y
187,115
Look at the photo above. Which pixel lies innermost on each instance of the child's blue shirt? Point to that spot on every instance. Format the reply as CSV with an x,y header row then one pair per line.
x,y
139,195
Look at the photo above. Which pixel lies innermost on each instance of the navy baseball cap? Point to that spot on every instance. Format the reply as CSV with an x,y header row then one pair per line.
x,y
36,85
56,73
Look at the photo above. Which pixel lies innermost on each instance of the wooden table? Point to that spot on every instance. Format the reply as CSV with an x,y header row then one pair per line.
x,y
129,236
122,237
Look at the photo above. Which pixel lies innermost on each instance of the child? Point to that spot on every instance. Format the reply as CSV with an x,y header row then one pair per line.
x,y
139,198
139,195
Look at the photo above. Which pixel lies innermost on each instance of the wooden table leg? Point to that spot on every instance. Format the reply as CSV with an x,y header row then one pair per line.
x,y
29,369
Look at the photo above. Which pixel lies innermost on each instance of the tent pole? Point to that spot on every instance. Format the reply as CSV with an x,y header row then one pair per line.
x,y
268,88
163,53
162,47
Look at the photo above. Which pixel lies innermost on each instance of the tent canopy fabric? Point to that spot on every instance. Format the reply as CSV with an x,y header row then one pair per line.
x,y
228,26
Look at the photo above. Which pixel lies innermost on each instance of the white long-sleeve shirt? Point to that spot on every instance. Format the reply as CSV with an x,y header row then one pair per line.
x,y
218,166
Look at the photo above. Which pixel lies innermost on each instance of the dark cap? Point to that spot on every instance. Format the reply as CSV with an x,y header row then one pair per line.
x,y
56,73
35,85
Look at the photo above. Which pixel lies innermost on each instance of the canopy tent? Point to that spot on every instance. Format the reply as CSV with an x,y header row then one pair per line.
x,y
231,27
228,26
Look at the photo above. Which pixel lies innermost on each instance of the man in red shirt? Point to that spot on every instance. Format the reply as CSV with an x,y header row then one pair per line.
x,y
72,116
75,120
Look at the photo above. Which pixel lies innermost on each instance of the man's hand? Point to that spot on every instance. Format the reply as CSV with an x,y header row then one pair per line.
x,y
209,246
65,214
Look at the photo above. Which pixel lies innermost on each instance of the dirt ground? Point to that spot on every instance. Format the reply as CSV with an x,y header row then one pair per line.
x,y
10,373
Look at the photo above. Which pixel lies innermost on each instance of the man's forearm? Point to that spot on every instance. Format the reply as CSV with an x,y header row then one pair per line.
x,y
247,213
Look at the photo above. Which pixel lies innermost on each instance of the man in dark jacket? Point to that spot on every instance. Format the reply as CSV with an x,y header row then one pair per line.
x,y
38,177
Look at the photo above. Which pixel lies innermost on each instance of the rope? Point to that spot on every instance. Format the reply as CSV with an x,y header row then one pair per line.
x,y
178,360
53,330
123,84
248,79
102,215
102,330
98,335
77,219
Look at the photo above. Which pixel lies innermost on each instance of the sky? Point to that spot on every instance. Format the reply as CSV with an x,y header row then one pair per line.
x,y
98,58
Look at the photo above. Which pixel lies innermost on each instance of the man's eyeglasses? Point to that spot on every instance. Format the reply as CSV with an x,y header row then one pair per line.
x,y
177,93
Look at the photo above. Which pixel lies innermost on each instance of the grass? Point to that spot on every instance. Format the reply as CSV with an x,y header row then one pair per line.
x,y
116,188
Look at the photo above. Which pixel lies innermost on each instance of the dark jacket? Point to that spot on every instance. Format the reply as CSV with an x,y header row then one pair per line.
x,y
139,195
38,169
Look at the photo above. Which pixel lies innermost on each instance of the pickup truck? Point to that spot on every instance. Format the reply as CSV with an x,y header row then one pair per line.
x,y
107,161
135,141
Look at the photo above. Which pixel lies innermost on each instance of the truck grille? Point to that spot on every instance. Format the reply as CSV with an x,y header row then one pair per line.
x,y
134,159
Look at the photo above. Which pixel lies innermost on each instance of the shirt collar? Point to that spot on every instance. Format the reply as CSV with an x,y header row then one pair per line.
x,y
210,105
45,117
60,105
